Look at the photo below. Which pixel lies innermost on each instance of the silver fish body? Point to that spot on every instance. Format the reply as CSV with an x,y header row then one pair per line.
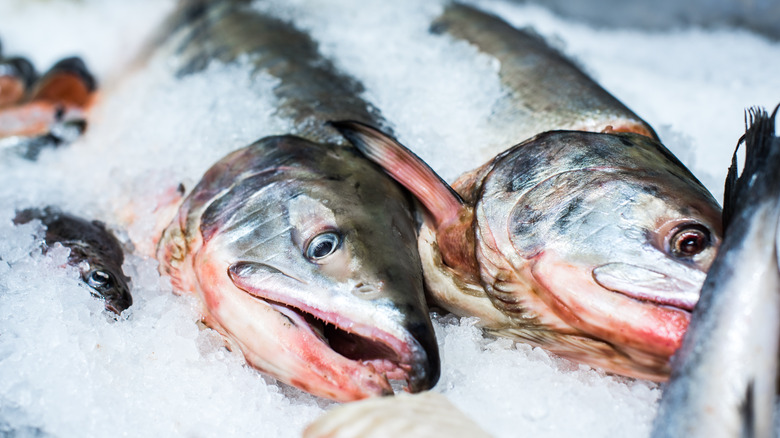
x,y
302,252
723,381
593,245
94,251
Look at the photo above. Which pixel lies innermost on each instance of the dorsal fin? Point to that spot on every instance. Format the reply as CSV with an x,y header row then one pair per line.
x,y
442,202
759,140
453,218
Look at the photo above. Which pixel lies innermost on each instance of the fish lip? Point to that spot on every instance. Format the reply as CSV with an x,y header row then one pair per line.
x,y
648,285
640,328
409,357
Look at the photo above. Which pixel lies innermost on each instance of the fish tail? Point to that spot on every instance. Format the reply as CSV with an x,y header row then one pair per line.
x,y
762,161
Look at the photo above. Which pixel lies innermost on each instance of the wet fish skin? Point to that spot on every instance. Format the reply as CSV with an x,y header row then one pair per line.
x,y
240,242
590,220
302,253
723,381
547,90
93,250
17,75
572,241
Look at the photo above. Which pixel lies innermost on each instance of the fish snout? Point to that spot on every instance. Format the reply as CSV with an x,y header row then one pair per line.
x,y
108,284
425,364
118,299
679,290
368,290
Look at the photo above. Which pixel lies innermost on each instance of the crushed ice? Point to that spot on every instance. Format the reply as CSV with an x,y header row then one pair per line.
x,y
67,369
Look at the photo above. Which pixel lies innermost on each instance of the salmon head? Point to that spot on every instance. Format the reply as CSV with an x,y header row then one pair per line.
x,y
592,245
304,257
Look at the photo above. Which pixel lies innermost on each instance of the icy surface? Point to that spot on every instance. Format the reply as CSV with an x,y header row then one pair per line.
x,y
69,370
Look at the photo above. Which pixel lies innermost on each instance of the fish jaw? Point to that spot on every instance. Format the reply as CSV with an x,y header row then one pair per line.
x,y
279,341
115,294
573,293
353,331
724,377
510,307
647,284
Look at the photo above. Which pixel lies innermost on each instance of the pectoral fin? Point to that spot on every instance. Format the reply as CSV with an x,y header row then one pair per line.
x,y
453,219
441,201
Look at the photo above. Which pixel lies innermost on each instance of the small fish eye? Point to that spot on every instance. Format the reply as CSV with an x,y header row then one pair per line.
x,y
689,240
323,245
98,279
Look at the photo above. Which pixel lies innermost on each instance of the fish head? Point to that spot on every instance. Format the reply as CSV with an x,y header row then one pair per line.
x,y
105,279
94,251
306,260
614,235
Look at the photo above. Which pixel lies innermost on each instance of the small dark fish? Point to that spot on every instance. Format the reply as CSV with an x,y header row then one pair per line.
x,y
591,245
44,112
302,252
93,250
723,381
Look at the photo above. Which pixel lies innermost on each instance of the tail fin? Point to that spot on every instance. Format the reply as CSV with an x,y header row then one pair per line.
x,y
762,160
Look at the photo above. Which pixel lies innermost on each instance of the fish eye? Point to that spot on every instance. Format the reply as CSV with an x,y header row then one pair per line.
x,y
689,240
99,280
323,245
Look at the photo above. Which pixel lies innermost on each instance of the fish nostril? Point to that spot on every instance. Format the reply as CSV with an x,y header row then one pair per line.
x,y
367,291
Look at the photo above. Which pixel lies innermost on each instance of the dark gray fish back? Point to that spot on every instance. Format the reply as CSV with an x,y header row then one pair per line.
x,y
548,90
312,91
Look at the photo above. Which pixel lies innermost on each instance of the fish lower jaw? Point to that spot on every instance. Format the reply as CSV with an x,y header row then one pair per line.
x,y
388,369
370,354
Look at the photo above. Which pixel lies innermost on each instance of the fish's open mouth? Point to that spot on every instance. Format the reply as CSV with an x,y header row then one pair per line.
x,y
369,350
342,341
